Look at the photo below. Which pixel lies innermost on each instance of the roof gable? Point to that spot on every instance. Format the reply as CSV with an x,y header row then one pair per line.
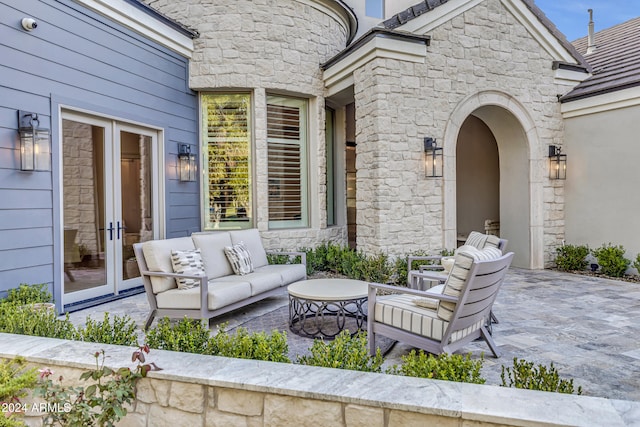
x,y
428,14
615,62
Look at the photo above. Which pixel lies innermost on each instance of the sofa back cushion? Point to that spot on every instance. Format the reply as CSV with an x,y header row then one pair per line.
x,y
211,247
253,243
157,254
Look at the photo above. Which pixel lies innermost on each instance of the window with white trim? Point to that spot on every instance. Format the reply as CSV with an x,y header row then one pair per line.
x,y
226,138
287,162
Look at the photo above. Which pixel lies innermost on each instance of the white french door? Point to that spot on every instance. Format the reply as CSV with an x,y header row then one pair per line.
x,y
110,201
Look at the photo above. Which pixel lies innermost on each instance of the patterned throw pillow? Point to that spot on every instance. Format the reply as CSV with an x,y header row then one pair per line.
x,y
239,258
187,262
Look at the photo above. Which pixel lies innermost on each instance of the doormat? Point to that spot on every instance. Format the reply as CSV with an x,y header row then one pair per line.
x,y
278,320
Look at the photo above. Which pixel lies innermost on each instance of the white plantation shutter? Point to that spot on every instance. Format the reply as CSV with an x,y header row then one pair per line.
x,y
227,140
287,163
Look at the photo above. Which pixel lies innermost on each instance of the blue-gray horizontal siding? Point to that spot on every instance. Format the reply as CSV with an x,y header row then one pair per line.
x,y
78,58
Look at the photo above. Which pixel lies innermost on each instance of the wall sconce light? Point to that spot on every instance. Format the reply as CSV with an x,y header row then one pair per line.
x,y
557,163
186,163
432,158
35,143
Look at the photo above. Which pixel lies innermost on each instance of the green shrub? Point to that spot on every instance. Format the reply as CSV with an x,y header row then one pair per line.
x,y
445,367
15,382
571,257
29,294
38,322
271,347
119,330
187,335
611,259
192,336
344,352
543,378
636,263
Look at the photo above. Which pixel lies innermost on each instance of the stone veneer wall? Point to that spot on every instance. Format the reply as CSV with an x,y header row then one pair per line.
x,y
79,183
398,103
197,390
265,47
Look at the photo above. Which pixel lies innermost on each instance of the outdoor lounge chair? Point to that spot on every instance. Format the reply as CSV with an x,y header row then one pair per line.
x,y
442,323
434,273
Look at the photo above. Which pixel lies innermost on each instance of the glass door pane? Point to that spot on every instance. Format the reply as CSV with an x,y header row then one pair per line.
x,y
84,208
135,223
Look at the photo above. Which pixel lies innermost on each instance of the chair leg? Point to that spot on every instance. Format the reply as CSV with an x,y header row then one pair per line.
x,y
489,340
494,319
150,318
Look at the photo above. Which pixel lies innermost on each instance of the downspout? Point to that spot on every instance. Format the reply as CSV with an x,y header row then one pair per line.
x,y
591,38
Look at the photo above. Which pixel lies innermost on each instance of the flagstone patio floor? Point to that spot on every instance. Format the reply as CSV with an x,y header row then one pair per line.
x,y
588,327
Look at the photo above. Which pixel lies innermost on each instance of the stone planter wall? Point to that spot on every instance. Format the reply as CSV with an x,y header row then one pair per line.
x,y
198,390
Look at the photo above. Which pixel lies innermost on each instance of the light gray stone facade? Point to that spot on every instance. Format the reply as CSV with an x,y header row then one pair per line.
x,y
270,47
484,49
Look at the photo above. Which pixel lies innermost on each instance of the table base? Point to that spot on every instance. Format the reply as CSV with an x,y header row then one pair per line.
x,y
325,319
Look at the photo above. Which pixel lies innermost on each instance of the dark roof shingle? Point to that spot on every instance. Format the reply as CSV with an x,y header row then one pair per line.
x,y
615,63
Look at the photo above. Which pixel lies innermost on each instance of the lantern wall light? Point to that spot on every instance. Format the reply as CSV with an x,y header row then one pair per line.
x,y
557,163
186,163
35,143
432,158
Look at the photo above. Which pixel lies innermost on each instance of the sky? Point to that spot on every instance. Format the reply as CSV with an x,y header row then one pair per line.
x,y
572,18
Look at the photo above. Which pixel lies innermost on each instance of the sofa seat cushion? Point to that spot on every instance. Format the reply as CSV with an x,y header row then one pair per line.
x,y
260,280
211,247
253,243
289,272
221,294
157,255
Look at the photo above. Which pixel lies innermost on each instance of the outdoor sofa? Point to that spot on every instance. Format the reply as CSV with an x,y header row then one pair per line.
x,y
194,277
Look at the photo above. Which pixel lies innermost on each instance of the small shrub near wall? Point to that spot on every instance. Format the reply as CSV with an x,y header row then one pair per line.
x,y
543,378
447,367
572,257
611,259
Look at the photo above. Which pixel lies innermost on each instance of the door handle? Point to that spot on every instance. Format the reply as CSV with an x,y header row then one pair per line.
x,y
120,227
110,229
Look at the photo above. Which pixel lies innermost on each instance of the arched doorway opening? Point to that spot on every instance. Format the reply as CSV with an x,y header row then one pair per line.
x,y
519,191
477,178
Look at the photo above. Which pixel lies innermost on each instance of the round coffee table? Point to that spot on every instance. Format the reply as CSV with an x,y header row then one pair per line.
x,y
319,308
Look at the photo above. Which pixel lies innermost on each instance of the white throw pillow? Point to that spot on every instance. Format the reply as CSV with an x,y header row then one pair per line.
x,y
239,258
187,262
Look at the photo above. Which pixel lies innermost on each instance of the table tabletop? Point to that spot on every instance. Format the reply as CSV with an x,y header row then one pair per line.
x,y
329,289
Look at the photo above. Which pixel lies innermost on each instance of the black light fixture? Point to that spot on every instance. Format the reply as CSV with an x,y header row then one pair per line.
x,y
186,163
557,163
432,158
35,143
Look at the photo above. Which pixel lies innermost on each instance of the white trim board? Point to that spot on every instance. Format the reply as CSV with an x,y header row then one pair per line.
x,y
600,103
136,20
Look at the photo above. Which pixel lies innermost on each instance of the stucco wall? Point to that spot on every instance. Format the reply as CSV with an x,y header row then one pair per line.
x,y
601,190
267,47
485,49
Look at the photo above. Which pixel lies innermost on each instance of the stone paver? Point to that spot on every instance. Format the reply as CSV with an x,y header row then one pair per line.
x,y
587,326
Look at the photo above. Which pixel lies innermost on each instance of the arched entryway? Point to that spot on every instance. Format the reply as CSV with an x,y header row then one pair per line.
x,y
477,178
520,185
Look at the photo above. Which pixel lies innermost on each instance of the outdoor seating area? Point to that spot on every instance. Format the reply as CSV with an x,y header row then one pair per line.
x,y
586,326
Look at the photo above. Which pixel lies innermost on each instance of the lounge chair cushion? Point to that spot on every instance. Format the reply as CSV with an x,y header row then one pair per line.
x,y
221,294
239,258
157,254
289,272
253,243
459,272
400,312
187,262
211,247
